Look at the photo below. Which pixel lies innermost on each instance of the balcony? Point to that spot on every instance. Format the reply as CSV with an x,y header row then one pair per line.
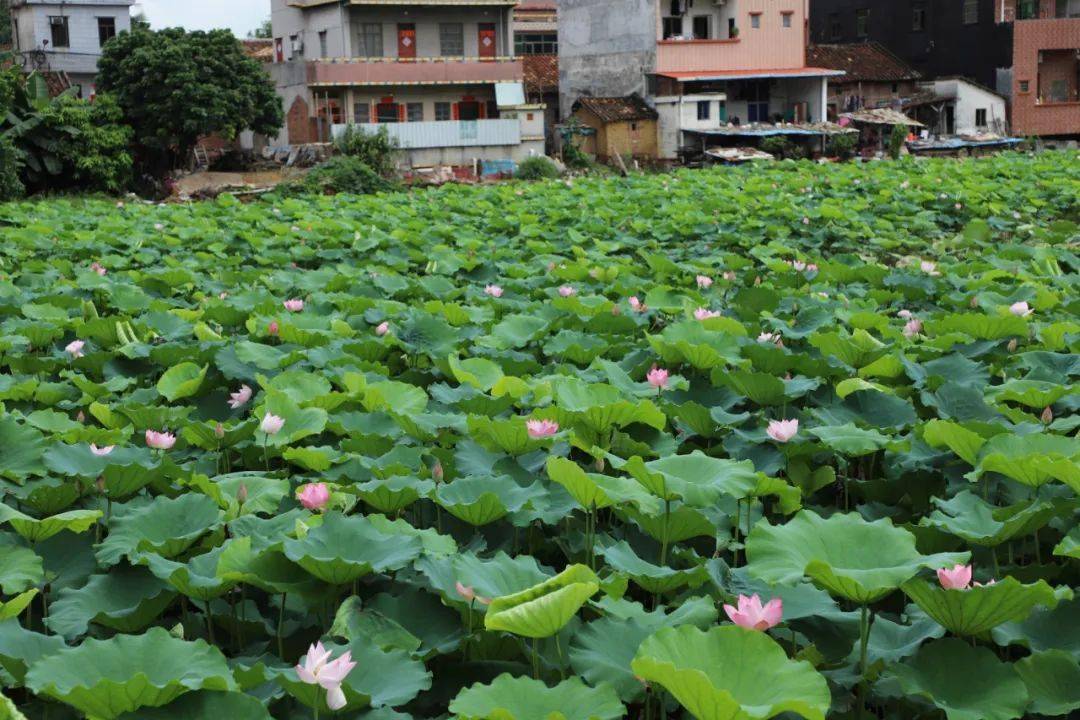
x,y
447,133
421,71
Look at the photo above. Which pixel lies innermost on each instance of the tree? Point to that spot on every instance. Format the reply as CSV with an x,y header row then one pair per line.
x,y
5,22
175,87
139,21
265,31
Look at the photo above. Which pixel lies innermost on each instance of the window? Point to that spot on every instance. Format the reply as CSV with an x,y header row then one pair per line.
x,y
732,31
387,112
442,111
895,88
1024,86
414,112
834,26
492,109
545,43
323,52
106,30
361,112
702,27
755,20
58,26
369,40
862,22
785,19
980,117
452,39
971,12
918,17
672,27
703,110
296,45
1066,8
1027,9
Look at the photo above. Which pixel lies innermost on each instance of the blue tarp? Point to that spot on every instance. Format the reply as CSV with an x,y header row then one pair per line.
x,y
957,143
758,132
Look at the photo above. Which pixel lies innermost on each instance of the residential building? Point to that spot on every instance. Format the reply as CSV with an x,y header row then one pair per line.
x,y
939,38
618,126
712,69
873,76
65,38
440,75
1046,67
958,106
536,42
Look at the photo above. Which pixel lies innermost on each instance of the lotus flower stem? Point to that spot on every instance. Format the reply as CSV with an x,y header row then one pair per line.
x,y
864,638
535,659
280,622
266,456
738,515
993,554
209,622
1038,551
558,649
664,541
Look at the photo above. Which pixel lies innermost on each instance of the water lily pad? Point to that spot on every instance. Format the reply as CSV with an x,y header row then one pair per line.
x,y
542,610
730,672
519,698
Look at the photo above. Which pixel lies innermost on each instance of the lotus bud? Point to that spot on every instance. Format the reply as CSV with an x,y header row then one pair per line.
x,y
219,431
974,301
757,280
81,417
242,494
272,328
600,464
437,472
1047,416
100,484
1012,345
615,310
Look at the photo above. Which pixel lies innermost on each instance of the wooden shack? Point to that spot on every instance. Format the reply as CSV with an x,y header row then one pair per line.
x,y
624,126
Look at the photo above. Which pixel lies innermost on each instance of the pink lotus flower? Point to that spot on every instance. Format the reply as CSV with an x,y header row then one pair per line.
x,y
160,440
314,496
294,305
494,291
437,472
98,268
905,314
75,349
755,616
704,281
222,295
912,328
272,424
930,268
637,305
705,314
101,451
382,329
811,268
328,675
272,328
958,206
467,592
240,397
1020,309
768,337
799,265
782,430
958,578
539,429
988,583
729,275
567,290
657,377
805,221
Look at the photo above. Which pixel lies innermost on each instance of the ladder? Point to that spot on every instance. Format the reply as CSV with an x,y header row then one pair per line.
x,y
202,158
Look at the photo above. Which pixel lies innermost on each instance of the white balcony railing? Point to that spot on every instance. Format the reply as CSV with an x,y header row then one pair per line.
x,y
447,133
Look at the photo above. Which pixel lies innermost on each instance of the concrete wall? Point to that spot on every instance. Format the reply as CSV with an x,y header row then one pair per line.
x,y
1032,114
84,48
970,98
605,48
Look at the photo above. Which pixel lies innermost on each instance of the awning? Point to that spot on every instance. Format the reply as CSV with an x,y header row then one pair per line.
x,y
509,94
803,72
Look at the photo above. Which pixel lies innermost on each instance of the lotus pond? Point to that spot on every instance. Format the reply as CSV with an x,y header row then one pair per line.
x,y
529,452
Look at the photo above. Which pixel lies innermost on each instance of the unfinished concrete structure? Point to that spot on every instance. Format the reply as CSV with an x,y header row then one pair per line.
x,y
705,66
440,75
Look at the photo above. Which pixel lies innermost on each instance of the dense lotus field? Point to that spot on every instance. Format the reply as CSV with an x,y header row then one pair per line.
x,y
793,441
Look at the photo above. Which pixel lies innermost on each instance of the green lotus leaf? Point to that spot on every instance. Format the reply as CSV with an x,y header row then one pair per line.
x,y
8,710
20,648
203,705
990,689
432,542
380,678
655,579
402,398
181,381
962,441
478,372
126,599
542,610
677,523
392,494
489,578
850,440
302,388
502,435
343,549
14,606
106,678
844,554
520,698
600,408
979,326
596,491
1070,545
976,521
318,459
20,568
300,422
1053,682
1030,393
979,609
197,578
480,500
36,530
261,494
1033,460
699,479
21,450
694,344
244,561
47,496
1045,629
602,650
166,526
731,672
353,622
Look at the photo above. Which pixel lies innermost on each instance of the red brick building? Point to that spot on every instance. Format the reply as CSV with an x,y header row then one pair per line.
x,y
1046,66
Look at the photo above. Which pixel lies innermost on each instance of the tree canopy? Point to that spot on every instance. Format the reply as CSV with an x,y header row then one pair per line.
x,y
175,87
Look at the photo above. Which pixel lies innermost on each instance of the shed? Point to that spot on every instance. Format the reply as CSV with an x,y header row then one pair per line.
x,y
623,126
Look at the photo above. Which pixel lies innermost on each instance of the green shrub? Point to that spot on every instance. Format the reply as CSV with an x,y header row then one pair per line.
x,y
341,174
843,145
537,168
896,141
95,152
377,150
778,145
11,186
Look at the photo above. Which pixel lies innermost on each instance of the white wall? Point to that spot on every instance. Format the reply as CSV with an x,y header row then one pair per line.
x,y
84,48
970,98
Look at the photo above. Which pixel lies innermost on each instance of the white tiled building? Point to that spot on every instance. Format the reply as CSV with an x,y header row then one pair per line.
x,y
67,37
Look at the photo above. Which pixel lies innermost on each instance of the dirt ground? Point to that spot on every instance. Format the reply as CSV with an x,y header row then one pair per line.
x,y
208,181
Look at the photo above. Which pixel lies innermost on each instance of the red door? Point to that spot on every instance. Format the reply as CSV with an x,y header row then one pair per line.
x,y
487,40
406,41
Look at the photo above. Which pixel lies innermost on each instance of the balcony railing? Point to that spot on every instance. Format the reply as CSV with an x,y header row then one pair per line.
x,y
446,133
421,71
